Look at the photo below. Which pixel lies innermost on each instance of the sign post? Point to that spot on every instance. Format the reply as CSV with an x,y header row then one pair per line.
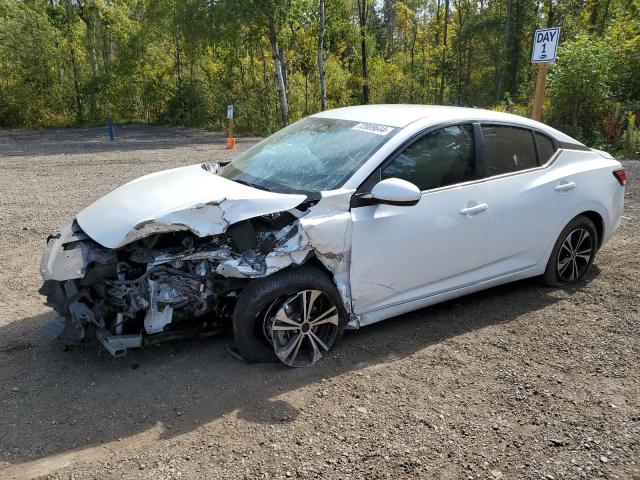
x,y
110,128
231,141
545,44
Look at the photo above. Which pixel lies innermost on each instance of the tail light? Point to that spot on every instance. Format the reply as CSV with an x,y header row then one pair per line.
x,y
621,176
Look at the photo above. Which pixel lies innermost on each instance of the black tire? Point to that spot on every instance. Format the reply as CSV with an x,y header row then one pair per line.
x,y
260,295
560,267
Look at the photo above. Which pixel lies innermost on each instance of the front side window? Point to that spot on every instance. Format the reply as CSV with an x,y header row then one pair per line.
x,y
507,149
311,155
440,158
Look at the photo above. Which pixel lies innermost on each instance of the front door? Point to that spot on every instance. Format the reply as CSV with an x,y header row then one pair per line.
x,y
405,253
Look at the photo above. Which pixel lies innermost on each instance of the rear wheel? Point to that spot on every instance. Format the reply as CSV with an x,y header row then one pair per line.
x,y
295,316
573,253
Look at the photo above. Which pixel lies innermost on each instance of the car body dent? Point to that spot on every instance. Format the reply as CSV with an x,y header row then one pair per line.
x,y
322,231
328,227
186,198
292,248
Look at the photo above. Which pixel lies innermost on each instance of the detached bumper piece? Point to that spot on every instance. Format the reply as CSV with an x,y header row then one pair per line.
x,y
117,345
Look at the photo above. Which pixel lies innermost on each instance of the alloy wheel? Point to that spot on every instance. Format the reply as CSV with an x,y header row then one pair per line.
x,y
302,327
575,255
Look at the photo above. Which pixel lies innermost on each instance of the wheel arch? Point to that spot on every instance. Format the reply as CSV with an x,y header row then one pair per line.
x,y
315,261
340,279
594,212
598,222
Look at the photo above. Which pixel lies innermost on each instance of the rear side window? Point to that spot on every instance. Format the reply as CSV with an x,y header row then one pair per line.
x,y
507,149
545,148
440,158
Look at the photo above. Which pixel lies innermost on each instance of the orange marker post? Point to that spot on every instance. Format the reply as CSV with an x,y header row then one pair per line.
x,y
231,141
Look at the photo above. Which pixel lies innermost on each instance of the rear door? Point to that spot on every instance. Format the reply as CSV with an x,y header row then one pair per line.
x,y
528,199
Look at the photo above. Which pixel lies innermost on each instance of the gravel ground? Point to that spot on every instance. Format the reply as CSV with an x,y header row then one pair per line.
x,y
519,382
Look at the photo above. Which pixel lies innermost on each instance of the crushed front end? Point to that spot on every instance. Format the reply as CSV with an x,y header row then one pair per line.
x,y
168,285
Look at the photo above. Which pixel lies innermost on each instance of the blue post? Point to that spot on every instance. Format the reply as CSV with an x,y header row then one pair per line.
x,y
110,127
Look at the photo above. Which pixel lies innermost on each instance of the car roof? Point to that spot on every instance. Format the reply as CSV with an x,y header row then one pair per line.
x,y
402,115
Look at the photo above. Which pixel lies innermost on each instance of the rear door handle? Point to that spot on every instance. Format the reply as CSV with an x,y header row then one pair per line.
x,y
481,207
565,187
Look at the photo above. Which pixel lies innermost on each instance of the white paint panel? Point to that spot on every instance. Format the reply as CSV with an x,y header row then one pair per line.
x,y
402,253
526,213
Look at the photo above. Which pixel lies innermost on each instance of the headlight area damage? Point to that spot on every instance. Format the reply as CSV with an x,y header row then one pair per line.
x,y
174,279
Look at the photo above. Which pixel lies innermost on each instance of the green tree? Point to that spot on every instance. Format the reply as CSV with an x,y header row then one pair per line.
x,y
77,62
579,86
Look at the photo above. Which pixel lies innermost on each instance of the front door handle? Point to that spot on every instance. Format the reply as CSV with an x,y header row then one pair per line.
x,y
481,207
565,187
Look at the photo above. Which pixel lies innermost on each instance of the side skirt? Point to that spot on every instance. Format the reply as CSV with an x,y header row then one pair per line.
x,y
394,310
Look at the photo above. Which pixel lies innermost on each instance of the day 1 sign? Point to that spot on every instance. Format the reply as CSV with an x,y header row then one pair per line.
x,y
545,43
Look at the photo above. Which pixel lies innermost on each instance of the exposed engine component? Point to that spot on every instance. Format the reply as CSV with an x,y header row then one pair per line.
x,y
165,283
172,292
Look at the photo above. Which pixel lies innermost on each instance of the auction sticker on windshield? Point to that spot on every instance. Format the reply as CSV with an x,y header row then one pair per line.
x,y
373,128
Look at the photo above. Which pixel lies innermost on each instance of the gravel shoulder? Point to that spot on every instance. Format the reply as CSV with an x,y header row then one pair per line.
x,y
519,381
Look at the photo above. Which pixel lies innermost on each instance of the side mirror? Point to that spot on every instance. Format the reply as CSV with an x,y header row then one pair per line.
x,y
395,191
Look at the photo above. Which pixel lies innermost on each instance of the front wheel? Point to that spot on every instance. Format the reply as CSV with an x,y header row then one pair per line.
x,y
295,316
572,254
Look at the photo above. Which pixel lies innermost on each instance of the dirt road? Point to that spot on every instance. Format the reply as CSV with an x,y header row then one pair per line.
x,y
519,382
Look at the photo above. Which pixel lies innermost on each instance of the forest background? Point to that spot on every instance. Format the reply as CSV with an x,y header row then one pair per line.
x,y
79,62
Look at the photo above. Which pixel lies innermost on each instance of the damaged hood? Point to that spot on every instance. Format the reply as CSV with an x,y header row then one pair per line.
x,y
187,198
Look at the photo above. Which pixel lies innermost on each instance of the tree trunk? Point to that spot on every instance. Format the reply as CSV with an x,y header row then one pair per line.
x,y
323,85
178,62
265,107
74,64
438,22
363,12
468,76
412,53
76,85
500,62
593,19
277,62
93,60
285,67
605,14
306,92
550,14
389,10
459,45
444,51
365,72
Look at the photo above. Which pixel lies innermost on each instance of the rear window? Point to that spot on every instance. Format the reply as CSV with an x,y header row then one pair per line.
x,y
545,148
507,149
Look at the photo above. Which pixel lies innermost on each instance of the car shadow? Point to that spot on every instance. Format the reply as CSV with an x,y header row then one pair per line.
x,y
55,401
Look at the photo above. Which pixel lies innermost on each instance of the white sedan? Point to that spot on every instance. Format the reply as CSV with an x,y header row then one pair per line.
x,y
342,219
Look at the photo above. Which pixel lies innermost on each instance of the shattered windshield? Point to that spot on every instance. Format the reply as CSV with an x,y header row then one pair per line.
x,y
311,155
